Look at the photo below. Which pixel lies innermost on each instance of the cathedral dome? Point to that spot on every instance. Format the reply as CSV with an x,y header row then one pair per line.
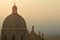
x,y
14,21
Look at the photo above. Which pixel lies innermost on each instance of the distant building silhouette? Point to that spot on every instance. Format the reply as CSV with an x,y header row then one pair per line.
x,y
14,28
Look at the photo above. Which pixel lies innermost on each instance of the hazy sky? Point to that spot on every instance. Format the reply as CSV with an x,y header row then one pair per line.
x,y
43,14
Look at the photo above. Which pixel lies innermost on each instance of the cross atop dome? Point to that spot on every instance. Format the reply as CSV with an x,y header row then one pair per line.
x,y
14,2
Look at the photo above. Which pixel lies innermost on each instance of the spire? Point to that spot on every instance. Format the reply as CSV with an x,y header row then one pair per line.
x,y
39,34
14,8
32,28
43,37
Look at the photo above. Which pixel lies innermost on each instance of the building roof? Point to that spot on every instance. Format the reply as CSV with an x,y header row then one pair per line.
x,y
33,35
14,21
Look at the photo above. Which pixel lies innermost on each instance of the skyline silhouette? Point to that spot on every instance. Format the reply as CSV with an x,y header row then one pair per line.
x,y
45,15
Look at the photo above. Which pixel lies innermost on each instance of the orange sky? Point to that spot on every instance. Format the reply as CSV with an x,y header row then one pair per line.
x,y
44,14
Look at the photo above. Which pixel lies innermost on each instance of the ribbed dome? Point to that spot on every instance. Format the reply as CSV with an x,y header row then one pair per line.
x,y
14,22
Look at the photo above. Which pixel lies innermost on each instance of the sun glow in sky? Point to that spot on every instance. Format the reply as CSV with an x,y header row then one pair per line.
x,y
44,14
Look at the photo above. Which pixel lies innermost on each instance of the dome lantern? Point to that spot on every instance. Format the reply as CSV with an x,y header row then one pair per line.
x,y
14,8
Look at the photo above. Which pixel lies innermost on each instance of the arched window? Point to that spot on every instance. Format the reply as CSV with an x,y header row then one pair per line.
x,y
13,37
2,38
5,37
21,37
